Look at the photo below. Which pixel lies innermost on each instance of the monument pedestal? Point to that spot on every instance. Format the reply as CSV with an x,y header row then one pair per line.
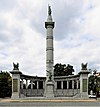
x,y
49,92
15,84
84,83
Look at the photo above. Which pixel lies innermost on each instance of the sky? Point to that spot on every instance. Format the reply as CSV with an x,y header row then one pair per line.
x,y
23,34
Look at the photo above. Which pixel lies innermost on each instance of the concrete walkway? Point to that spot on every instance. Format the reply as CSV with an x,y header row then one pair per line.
x,y
48,100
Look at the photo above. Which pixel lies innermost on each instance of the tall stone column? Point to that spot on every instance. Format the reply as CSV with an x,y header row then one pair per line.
x,y
84,81
15,81
49,25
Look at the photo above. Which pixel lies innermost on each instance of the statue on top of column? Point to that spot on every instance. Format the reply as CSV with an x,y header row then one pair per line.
x,y
49,10
15,66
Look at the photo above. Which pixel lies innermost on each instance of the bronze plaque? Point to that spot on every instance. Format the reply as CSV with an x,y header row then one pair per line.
x,y
15,85
84,85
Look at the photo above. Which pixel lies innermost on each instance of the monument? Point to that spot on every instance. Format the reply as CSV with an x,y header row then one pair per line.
x,y
75,86
49,85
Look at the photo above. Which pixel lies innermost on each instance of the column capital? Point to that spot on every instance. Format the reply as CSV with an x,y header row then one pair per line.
x,y
49,24
84,72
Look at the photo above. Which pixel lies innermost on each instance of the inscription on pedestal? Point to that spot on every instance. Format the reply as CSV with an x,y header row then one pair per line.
x,y
15,85
84,85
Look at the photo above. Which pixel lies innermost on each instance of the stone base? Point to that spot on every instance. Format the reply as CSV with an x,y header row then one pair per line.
x,y
84,95
15,95
49,89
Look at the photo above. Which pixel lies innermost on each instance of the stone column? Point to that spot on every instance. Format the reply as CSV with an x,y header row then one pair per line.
x,y
43,84
55,85
26,84
49,25
31,84
61,84
22,84
72,84
37,84
67,84
15,83
77,84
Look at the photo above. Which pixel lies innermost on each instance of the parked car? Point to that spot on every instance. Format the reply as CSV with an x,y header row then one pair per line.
x,y
92,96
98,94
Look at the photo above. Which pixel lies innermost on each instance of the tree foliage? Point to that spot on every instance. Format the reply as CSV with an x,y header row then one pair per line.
x,y
94,83
5,84
63,70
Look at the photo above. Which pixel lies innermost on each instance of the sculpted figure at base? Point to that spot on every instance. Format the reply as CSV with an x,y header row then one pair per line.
x,y
84,66
15,66
50,74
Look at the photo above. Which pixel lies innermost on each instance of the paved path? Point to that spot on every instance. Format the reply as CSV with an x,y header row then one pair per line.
x,y
49,103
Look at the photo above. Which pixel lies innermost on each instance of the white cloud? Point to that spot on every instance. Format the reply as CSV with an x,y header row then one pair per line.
x,y
93,21
22,34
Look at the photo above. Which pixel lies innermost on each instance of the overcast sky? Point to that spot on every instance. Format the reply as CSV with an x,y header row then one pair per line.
x,y
23,34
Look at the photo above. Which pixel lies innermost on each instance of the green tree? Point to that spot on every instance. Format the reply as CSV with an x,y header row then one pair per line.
x,y
5,84
91,85
63,70
94,83
69,70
